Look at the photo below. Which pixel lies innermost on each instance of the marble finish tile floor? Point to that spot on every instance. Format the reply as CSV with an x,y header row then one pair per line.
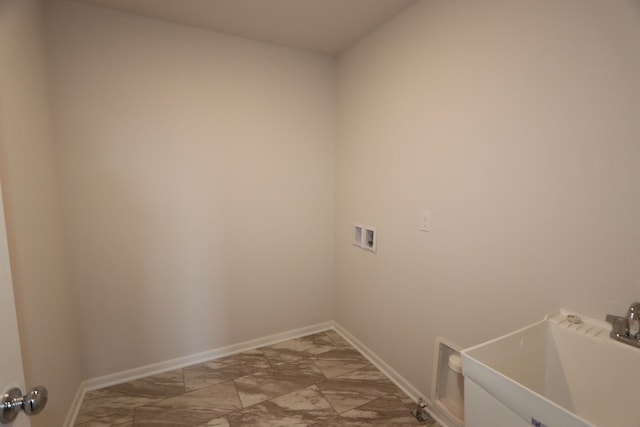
x,y
317,380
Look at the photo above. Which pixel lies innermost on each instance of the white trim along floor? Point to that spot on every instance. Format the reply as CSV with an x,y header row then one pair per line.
x,y
317,376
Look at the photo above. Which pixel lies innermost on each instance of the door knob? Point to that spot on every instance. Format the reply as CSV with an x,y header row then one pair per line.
x,y
12,401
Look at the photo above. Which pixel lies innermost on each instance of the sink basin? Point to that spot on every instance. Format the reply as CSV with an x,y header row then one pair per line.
x,y
564,371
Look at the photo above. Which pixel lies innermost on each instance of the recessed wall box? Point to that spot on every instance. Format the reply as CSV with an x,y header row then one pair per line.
x,y
357,235
370,243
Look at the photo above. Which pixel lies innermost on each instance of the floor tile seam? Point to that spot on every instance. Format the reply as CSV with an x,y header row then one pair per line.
x,y
135,395
322,352
299,389
359,358
344,373
215,358
189,392
318,368
373,400
299,356
331,404
235,388
274,397
120,393
304,356
182,369
103,417
203,364
340,416
99,417
276,369
88,421
359,380
284,394
330,339
184,381
221,381
266,371
204,424
325,421
184,425
365,395
265,356
228,379
217,415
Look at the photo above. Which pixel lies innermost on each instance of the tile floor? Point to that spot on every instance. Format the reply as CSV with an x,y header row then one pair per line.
x,y
318,380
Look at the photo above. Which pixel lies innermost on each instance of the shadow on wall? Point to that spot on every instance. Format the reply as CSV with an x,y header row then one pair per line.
x,y
147,242
197,172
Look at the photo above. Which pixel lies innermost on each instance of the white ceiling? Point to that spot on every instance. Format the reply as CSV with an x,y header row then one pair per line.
x,y
325,26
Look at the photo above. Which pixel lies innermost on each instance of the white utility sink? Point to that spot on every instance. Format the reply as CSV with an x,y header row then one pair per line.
x,y
553,373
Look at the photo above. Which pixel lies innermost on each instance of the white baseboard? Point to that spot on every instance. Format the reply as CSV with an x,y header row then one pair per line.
x,y
404,385
181,362
72,413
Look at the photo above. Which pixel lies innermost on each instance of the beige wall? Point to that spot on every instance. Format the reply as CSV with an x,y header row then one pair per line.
x,y
197,176
49,338
197,180
516,125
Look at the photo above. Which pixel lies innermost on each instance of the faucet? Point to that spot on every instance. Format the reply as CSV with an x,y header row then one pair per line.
x,y
633,317
626,329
